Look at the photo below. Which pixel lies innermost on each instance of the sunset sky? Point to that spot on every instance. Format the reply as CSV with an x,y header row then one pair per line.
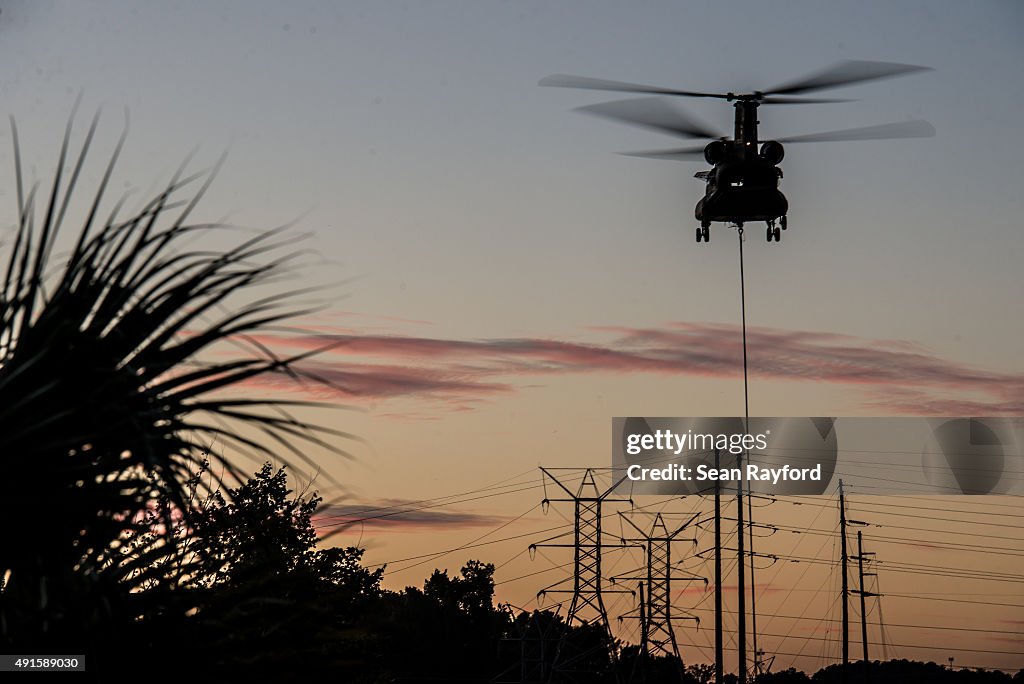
x,y
500,283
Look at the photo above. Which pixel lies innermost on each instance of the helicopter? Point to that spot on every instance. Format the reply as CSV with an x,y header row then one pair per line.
x,y
743,183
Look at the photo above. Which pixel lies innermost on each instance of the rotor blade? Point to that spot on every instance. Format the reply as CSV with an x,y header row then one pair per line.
x,y
679,154
802,100
917,128
567,81
651,112
843,74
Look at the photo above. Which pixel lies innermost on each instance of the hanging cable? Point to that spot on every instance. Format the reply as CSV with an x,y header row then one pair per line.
x,y
746,429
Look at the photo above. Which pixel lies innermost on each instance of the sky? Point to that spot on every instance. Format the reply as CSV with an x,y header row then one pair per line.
x,y
504,283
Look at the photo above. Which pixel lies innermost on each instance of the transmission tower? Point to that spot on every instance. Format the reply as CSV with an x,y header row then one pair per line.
x,y
655,609
586,606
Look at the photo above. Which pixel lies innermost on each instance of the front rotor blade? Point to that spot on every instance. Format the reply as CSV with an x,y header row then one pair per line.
x,y
567,81
771,99
917,128
843,74
653,113
680,154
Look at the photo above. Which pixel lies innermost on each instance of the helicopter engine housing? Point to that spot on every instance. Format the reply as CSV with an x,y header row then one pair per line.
x,y
772,152
714,152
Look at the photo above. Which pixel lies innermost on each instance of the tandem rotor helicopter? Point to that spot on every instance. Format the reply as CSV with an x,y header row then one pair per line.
x,y
743,184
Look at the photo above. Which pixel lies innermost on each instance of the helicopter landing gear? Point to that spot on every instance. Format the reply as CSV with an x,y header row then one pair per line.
x,y
704,233
773,232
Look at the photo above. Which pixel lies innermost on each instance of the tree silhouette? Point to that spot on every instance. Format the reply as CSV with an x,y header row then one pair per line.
x,y
107,396
259,579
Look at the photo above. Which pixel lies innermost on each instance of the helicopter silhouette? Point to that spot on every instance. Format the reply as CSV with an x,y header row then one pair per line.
x,y
743,183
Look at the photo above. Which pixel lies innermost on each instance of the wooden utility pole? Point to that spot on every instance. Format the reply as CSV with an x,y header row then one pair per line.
x,y
643,624
863,599
846,588
753,586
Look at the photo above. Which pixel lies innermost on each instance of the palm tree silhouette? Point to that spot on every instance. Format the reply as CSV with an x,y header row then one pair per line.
x,y
106,399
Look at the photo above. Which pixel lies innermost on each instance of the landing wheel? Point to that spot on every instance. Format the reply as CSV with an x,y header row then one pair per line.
x,y
700,234
772,232
706,232
782,222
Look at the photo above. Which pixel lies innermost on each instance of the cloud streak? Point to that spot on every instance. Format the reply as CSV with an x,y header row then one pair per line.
x,y
894,376
397,515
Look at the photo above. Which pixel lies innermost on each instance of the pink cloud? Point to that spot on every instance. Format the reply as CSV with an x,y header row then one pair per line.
x,y
894,376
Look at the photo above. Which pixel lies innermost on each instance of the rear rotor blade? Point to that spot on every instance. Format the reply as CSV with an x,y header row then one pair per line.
x,y
843,74
567,81
679,154
917,128
653,113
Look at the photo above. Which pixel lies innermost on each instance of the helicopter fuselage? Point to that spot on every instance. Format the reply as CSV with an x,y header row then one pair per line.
x,y
741,190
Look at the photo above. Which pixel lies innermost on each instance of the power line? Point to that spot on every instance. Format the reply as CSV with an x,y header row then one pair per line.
x,y
953,600
889,510
958,628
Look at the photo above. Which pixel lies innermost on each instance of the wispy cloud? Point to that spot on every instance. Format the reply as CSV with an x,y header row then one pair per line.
x,y
894,376
397,515
1016,641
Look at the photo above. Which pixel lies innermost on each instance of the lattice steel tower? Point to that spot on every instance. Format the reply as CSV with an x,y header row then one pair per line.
x,y
587,604
657,636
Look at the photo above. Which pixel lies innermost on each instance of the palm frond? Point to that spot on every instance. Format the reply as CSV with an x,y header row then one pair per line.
x,y
107,396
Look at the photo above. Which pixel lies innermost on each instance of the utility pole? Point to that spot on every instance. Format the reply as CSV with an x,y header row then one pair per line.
x,y
863,596
846,589
718,575
587,542
863,609
753,585
644,633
